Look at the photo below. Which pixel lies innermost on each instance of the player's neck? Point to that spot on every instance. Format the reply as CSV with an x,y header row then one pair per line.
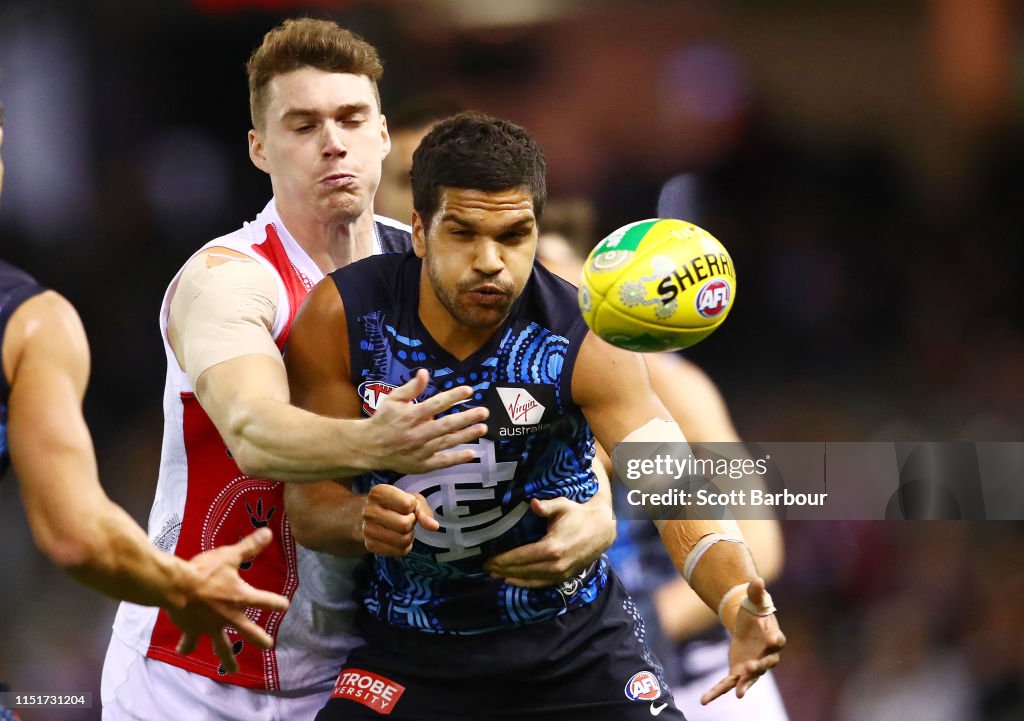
x,y
331,245
460,340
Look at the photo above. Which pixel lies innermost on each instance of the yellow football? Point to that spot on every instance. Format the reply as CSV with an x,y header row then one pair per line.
x,y
657,285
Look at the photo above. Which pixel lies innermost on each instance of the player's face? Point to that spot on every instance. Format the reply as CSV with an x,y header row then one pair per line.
x,y
322,142
394,196
478,252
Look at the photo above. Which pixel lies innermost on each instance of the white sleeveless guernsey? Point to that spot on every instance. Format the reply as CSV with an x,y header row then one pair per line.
x,y
203,501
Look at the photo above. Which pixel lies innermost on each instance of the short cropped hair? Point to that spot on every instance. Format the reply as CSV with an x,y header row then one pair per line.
x,y
477,152
302,42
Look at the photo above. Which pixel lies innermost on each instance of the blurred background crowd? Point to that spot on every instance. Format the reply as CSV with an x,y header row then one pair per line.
x,y
861,160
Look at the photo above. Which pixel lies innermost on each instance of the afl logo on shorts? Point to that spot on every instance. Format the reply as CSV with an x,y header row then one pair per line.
x,y
714,297
643,686
372,393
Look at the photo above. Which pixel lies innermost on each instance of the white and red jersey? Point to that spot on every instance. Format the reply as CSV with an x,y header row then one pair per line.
x,y
203,501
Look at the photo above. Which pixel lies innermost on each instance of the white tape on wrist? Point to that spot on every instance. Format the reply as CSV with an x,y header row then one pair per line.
x,y
700,548
740,587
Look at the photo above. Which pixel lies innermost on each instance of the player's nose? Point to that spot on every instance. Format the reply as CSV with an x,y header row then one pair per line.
x,y
488,258
333,140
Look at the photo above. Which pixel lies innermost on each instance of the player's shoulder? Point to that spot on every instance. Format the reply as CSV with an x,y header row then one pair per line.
x,y
46,322
553,299
395,237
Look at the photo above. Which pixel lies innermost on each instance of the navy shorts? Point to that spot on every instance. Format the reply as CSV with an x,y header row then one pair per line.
x,y
591,663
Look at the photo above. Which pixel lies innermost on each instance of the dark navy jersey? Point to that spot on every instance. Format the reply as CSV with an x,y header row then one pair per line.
x,y
538,446
16,287
393,239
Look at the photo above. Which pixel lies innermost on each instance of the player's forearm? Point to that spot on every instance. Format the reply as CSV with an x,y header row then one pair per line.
x,y
722,567
108,552
327,518
272,439
711,569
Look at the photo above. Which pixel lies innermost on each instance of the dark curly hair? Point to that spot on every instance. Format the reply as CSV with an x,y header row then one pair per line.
x,y
475,151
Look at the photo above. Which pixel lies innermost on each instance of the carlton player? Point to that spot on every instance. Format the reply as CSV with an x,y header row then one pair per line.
x,y
319,134
445,638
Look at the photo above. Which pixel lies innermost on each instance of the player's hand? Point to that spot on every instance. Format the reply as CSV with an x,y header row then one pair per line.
x,y
406,437
578,533
218,597
754,648
390,517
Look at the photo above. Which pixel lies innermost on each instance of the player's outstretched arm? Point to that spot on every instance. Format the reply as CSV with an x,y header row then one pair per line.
x,y
719,570
46,361
402,435
697,406
220,329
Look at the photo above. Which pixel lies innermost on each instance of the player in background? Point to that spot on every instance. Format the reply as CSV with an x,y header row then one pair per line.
x,y
318,132
445,639
45,356
685,634
407,124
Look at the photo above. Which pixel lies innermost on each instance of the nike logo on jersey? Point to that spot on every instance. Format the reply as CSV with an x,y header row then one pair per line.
x,y
657,709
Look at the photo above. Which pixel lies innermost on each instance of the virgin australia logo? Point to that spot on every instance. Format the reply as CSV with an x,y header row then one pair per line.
x,y
450,491
522,408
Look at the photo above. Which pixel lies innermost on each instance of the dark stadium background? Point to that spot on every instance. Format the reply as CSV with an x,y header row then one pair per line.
x,y
862,161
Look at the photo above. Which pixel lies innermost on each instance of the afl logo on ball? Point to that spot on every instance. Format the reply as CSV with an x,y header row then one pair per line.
x,y
643,686
372,393
714,297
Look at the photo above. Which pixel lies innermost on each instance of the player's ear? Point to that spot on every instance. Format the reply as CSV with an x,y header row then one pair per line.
x,y
419,239
385,137
256,154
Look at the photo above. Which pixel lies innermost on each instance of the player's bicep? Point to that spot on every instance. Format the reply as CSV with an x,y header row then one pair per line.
x,y
612,388
317,356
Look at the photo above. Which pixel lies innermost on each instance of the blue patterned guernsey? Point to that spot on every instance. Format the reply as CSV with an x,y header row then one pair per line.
x,y
538,445
16,287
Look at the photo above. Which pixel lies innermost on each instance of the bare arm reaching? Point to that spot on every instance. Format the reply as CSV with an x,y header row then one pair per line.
x,y
724,576
243,387
46,361
697,406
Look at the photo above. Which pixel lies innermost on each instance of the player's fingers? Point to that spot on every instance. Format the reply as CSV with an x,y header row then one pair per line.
x,y
718,689
755,591
447,459
251,545
187,643
402,524
446,399
744,685
521,557
385,541
425,514
776,642
389,498
222,647
412,388
250,631
440,444
258,598
548,507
